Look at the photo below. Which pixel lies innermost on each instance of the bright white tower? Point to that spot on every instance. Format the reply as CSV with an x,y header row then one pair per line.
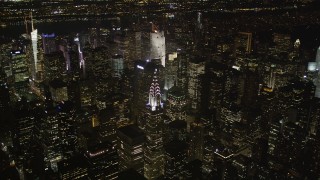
x,y
158,45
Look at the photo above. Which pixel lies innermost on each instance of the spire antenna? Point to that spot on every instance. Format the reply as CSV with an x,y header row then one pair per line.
x,y
32,27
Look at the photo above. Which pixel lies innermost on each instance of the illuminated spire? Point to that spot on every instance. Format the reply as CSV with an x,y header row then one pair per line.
x,y
155,93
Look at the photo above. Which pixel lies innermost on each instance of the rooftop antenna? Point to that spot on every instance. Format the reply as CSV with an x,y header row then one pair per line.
x,y
32,27
26,23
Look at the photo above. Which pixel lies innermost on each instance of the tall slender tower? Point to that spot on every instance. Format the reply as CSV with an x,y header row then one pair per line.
x,y
81,59
317,80
34,41
153,166
36,57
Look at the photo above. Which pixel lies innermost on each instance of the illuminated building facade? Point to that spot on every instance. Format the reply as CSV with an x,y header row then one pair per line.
x,y
176,104
20,69
153,153
121,105
51,139
144,72
54,66
158,46
243,43
24,128
171,71
176,153
34,41
130,148
282,42
182,74
196,68
117,65
49,43
197,132
86,93
58,90
103,161
73,168
272,78
37,58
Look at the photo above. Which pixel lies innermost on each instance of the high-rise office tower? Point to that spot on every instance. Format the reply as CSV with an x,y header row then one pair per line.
x,y
176,153
130,148
241,164
82,64
171,71
243,43
37,55
213,85
24,128
58,90
34,41
230,115
272,78
233,86
176,104
120,104
117,65
182,74
275,136
137,43
75,167
158,45
176,130
51,138
54,66
49,43
251,84
103,161
4,99
20,69
196,68
282,42
153,166
86,92
197,139
209,146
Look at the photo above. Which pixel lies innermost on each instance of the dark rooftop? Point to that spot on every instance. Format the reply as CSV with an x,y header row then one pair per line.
x,y
131,131
178,124
175,147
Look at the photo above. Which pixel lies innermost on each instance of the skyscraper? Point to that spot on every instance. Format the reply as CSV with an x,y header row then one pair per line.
x,y
144,72
49,43
243,43
19,66
196,68
130,148
176,153
317,80
103,161
158,45
117,65
177,104
153,167
34,41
